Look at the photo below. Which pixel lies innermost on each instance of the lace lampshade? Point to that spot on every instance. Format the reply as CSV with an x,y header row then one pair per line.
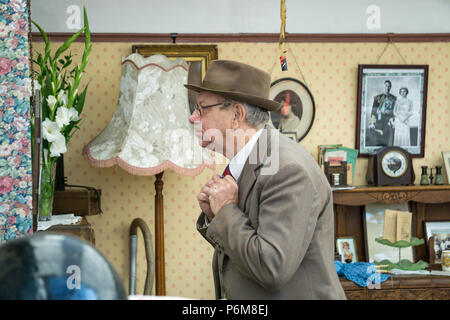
x,y
150,130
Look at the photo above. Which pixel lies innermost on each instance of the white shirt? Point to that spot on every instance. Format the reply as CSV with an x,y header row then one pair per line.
x,y
236,164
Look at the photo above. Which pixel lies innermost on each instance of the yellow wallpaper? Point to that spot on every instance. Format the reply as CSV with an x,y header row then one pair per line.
x,y
330,70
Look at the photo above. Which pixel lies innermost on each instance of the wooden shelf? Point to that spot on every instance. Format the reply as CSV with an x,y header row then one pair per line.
x,y
363,195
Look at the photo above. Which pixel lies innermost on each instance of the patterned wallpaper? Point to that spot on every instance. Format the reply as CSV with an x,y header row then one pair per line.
x,y
330,70
15,147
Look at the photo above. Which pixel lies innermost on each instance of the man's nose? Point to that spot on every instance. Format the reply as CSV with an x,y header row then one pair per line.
x,y
194,117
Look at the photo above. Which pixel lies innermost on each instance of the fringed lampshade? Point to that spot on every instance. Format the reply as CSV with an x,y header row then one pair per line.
x,y
150,132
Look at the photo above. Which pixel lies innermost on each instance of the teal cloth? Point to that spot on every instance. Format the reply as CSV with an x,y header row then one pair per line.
x,y
361,273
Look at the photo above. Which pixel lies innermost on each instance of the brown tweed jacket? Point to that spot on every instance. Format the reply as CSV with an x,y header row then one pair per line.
x,y
278,241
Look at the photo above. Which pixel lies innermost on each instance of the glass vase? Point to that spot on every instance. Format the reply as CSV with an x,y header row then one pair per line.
x,y
47,191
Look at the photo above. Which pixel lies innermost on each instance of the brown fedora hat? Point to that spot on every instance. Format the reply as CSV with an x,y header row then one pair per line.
x,y
238,81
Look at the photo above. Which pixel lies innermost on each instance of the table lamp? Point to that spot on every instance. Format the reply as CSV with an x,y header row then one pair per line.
x,y
150,132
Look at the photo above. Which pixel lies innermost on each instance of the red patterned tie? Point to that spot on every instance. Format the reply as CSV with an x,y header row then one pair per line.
x,y
226,172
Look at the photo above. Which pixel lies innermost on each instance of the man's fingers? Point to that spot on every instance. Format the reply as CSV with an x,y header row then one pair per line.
x,y
203,197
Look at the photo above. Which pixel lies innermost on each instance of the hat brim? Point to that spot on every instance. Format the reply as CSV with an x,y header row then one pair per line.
x,y
269,105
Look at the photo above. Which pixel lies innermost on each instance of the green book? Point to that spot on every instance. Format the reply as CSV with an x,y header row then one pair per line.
x,y
352,155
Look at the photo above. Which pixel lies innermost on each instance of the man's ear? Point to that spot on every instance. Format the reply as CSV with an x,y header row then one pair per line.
x,y
239,114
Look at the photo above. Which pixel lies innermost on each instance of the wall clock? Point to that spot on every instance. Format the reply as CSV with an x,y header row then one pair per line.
x,y
389,167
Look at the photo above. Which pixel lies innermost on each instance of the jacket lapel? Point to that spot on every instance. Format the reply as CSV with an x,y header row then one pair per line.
x,y
255,160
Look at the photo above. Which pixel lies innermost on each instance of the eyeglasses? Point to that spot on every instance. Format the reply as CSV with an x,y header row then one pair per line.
x,y
200,108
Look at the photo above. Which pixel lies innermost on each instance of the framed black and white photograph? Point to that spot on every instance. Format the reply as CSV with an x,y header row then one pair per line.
x,y
346,247
373,220
391,108
298,109
440,230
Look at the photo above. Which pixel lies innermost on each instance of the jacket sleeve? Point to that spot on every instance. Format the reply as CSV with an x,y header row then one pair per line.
x,y
270,254
202,227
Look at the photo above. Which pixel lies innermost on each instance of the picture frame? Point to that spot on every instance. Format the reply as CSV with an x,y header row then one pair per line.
x,y
441,232
391,108
199,58
446,159
346,247
373,220
298,111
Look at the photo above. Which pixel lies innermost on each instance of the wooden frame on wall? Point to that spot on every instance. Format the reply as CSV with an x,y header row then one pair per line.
x,y
199,58
387,117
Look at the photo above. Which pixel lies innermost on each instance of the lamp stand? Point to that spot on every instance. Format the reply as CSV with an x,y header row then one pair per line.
x,y
159,237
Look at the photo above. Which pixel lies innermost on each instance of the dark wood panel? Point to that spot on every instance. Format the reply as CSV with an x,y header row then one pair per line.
x,y
249,37
82,202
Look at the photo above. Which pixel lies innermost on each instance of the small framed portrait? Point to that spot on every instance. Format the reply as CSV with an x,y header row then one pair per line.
x,y
391,108
373,220
346,247
298,109
440,231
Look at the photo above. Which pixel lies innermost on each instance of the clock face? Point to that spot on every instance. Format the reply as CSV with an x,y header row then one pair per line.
x,y
394,164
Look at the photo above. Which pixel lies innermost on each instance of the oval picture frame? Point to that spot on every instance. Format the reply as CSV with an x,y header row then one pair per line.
x,y
302,107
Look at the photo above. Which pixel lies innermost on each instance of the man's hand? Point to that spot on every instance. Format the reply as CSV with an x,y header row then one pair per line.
x,y
217,193
223,191
203,201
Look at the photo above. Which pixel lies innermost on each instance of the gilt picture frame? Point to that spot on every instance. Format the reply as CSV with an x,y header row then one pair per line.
x,y
199,58
391,108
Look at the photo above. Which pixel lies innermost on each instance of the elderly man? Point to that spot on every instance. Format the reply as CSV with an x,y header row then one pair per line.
x,y
270,215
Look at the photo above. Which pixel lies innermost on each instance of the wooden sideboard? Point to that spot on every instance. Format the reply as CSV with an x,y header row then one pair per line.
x,y
427,203
82,229
402,287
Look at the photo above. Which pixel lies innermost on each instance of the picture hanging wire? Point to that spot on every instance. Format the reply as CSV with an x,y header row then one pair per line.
x,y
282,50
390,42
281,44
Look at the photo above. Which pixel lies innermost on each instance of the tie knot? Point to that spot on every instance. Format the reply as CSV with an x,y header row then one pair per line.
x,y
226,172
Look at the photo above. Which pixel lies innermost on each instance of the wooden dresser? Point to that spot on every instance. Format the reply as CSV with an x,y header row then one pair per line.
x,y
402,287
82,229
427,203
81,202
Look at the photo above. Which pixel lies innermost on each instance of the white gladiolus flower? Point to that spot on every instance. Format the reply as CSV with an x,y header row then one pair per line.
x,y
51,100
62,117
73,114
50,130
62,98
58,146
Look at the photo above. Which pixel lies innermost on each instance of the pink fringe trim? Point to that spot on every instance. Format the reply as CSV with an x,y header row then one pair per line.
x,y
146,171
155,65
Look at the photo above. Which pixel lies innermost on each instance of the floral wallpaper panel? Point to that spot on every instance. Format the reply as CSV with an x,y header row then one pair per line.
x,y
15,144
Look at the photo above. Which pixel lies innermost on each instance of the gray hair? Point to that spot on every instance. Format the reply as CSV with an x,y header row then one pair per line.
x,y
255,116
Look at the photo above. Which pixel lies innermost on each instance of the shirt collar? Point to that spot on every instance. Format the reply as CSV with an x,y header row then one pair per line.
x,y
236,164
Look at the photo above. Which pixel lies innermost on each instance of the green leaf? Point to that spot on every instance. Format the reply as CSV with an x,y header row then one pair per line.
x,y
67,44
403,265
79,103
87,30
402,243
